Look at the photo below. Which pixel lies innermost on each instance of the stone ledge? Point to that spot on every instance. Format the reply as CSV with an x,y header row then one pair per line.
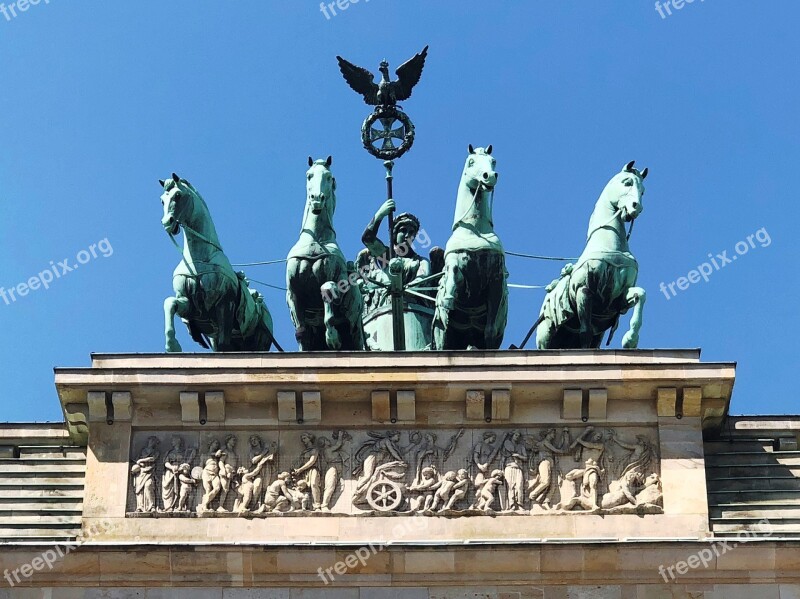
x,y
151,565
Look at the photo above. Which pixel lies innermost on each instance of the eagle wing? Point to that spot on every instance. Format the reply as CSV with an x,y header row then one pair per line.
x,y
360,79
408,75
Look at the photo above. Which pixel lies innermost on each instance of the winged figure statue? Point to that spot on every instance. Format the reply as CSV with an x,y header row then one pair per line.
x,y
387,92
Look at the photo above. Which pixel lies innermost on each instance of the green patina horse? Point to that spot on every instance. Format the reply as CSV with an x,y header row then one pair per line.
x,y
592,294
323,295
472,302
212,299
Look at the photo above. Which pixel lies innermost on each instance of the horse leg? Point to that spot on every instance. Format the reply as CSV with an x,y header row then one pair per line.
x,y
294,274
584,298
496,312
332,338
446,300
636,298
225,321
173,306
545,333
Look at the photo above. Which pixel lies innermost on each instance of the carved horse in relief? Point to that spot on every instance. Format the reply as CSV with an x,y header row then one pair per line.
x,y
212,299
472,301
592,294
324,299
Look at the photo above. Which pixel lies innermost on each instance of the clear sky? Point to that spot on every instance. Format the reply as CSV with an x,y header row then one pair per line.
x,y
101,99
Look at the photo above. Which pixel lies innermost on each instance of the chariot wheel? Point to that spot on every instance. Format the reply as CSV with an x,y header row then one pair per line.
x,y
384,496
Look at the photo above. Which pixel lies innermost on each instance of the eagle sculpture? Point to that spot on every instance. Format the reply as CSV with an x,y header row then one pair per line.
x,y
386,93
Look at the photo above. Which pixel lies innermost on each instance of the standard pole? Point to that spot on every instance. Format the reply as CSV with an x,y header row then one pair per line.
x,y
389,164
396,289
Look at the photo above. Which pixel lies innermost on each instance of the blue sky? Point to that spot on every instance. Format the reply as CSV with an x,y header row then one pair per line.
x,y
101,99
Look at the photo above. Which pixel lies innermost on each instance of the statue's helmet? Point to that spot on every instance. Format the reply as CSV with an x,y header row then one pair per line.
x,y
407,219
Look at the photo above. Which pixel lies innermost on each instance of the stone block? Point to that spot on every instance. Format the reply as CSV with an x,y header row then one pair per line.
x,y
215,406
667,398
97,406
312,406
123,405
476,400
789,591
501,404
746,591
594,592
406,406
430,562
692,401
190,407
573,404
287,406
598,402
247,594
381,408
393,593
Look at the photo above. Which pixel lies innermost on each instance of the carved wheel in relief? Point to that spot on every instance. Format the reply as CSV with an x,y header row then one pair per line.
x,y
384,495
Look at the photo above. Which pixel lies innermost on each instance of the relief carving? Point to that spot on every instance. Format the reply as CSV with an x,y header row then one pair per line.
x,y
432,472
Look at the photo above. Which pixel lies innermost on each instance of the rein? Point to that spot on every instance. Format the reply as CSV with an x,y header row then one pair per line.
x,y
472,203
617,214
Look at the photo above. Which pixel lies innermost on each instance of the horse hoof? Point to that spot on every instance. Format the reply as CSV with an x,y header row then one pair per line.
x,y
333,341
630,341
173,347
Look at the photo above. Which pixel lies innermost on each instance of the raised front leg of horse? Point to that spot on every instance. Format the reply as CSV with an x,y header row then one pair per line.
x,y
173,306
636,298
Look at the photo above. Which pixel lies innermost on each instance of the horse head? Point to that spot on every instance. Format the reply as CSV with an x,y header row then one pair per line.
x,y
479,170
320,188
475,199
177,201
625,192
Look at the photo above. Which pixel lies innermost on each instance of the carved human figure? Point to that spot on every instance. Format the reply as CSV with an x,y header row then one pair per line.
x,y
640,453
652,493
227,473
333,465
245,488
483,456
586,499
623,491
211,477
300,497
444,491
424,490
256,454
541,485
460,490
170,485
143,471
186,485
428,453
589,444
514,456
321,476
373,454
488,491
277,497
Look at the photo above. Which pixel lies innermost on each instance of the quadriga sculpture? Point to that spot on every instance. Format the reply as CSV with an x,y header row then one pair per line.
x,y
323,296
592,294
472,302
212,299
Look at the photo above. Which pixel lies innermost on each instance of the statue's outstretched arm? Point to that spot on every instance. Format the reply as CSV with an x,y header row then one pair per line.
x,y
370,236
